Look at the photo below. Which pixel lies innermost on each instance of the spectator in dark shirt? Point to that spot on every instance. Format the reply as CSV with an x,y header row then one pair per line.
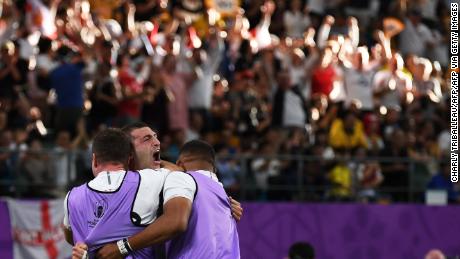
x,y
441,181
67,81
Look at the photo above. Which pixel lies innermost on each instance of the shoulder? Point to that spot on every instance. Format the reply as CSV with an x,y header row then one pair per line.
x,y
185,178
153,173
71,195
179,184
152,177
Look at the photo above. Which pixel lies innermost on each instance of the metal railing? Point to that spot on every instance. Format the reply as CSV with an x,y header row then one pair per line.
x,y
412,190
50,173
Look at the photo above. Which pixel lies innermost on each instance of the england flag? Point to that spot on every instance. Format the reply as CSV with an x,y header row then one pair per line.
x,y
36,229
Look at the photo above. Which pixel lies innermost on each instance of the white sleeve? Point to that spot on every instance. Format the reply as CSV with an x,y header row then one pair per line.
x,y
179,184
148,196
66,221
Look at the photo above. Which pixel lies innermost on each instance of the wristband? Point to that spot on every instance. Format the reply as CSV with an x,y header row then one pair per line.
x,y
127,245
122,247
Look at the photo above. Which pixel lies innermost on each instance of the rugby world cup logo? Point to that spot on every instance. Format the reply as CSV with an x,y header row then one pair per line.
x,y
100,207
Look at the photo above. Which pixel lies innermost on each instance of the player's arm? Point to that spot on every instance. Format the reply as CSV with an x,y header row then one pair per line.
x,y
173,222
68,235
179,192
66,223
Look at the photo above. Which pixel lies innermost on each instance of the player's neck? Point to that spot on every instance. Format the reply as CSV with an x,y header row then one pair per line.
x,y
108,168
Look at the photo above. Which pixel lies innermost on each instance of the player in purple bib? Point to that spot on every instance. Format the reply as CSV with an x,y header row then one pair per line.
x,y
211,231
97,218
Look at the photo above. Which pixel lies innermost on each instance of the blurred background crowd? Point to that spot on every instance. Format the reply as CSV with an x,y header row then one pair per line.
x,y
303,100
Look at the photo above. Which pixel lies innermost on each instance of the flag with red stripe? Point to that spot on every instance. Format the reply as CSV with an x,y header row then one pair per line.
x,y
36,229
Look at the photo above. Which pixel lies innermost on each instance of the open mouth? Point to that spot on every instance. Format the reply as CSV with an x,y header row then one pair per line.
x,y
156,156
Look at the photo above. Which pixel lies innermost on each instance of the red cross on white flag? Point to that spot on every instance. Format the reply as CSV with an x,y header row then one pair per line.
x,y
36,229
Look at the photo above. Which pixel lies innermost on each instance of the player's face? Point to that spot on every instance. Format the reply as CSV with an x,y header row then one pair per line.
x,y
147,148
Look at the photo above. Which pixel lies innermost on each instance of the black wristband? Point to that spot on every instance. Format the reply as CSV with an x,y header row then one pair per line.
x,y
127,246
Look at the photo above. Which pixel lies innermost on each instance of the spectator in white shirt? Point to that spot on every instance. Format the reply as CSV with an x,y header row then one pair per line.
x,y
358,80
392,86
416,36
295,20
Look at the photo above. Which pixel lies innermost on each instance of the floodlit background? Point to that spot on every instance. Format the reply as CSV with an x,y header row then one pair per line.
x,y
330,118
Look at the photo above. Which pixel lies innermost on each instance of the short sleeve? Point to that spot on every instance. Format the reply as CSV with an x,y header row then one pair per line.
x,y
179,184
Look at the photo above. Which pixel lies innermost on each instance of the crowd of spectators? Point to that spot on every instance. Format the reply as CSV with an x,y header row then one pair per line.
x,y
343,81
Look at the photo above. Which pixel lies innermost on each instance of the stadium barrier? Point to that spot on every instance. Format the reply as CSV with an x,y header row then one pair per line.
x,y
60,170
30,229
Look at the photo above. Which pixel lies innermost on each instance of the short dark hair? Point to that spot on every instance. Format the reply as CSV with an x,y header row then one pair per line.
x,y
133,126
112,146
199,148
301,250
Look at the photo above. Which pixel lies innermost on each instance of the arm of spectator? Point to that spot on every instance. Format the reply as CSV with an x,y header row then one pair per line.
x,y
385,43
353,31
346,53
309,39
130,21
324,30
53,9
267,9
